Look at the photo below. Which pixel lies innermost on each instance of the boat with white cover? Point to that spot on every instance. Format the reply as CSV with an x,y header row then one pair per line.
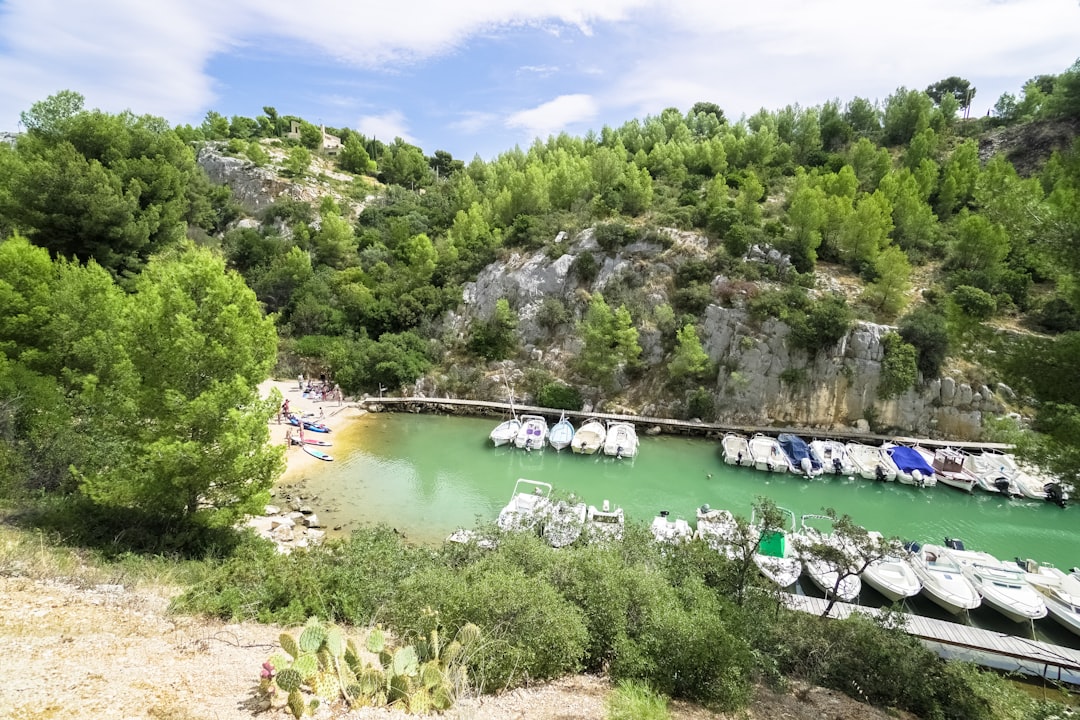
x,y
563,522
1060,592
736,450
604,524
1003,466
718,529
870,463
561,434
828,574
776,557
767,453
528,504
621,440
533,433
833,457
589,438
673,532
892,575
1002,586
505,432
942,579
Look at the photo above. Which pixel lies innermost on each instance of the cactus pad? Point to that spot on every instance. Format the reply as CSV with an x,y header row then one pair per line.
x,y
405,661
468,634
326,685
289,680
431,675
296,704
312,638
376,640
306,665
335,642
288,644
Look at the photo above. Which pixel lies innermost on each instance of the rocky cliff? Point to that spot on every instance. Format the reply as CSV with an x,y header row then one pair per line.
x,y
761,381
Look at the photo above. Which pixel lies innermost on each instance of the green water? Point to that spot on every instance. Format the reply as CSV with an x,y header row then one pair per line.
x,y
427,475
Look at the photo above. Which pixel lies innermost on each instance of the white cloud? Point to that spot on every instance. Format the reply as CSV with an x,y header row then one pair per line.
x,y
472,123
554,115
385,127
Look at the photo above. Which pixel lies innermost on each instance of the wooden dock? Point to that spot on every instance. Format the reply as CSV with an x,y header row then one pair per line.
x,y
984,647
669,425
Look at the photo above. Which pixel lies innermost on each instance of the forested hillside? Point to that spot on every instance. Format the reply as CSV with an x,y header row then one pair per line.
x,y
140,301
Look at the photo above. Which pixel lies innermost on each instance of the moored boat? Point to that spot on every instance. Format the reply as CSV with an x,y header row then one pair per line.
x,y
942,580
949,465
561,433
563,522
868,460
767,453
589,438
833,457
1060,592
1001,586
666,530
797,452
604,524
911,467
533,433
776,558
718,529
736,450
621,440
828,574
892,575
527,505
505,432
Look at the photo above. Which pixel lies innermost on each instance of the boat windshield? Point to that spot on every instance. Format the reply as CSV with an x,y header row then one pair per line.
x,y
606,518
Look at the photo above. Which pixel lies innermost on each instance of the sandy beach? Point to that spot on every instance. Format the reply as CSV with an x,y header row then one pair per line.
x,y
335,415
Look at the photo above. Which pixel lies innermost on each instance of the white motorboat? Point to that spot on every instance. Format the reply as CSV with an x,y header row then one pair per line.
x,y
561,433
533,433
800,460
871,463
736,450
776,557
1002,586
993,473
564,522
833,457
1060,592
912,467
892,575
589,438
942,580
949,466
527,506
998,467
505,432
767,453
718,529
669,531
829,575
604,524
621,440
464,536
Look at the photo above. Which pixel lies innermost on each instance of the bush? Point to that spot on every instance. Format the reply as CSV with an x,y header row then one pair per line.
x,y
692,299
701,404
899,369
826,322
614,235
585,267
926,330
975,303
1058,316
559,395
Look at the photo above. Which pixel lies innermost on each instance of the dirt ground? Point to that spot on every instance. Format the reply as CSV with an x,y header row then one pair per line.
x,y
111,652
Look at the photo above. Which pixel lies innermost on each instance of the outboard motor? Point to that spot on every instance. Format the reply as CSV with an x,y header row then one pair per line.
x,y
665,513
954,543
1055,494
912,546
879,473
704,509
807,466
916,475
738,460
838,467
1002,484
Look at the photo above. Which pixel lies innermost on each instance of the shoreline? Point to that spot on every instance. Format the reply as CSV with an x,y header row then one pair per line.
x,y
336,415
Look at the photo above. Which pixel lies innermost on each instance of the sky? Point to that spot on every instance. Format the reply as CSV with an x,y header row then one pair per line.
x,y
477,77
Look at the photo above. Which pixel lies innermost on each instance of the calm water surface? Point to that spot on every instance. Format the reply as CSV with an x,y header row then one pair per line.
x,y
428,475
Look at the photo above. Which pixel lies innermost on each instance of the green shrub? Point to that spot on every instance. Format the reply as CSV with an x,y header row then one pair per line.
x,y
899,369
975,303
559,395
632,700
823,325
584,267
701,403
614,235
927,331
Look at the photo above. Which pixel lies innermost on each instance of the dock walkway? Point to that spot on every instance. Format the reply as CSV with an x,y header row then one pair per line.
x,y
983,647
682,427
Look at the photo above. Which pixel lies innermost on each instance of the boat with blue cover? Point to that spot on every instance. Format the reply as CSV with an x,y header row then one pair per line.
x,y
798,455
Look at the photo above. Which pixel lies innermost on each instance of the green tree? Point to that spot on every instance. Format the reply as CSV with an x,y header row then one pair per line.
x,y
610,341
888,293
899,369
907,112
689,359
215,126
926,330
297,162
195,433
311,137
404,165
959,88
978,244
495,338
865,232
49,116
807,215
354,157
256,154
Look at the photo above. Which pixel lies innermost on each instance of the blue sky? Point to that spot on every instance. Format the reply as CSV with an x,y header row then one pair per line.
x,y
478,77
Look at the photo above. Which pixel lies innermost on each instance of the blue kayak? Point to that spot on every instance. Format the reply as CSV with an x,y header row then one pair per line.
x,y
309,424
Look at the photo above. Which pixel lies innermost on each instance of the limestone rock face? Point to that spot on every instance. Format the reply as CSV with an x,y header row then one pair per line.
x,y
253,187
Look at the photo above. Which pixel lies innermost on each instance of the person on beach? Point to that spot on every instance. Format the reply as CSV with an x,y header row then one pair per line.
x,y
300,382
288,439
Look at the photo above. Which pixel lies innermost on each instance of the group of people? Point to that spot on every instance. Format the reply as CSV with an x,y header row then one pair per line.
x,y
320,391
